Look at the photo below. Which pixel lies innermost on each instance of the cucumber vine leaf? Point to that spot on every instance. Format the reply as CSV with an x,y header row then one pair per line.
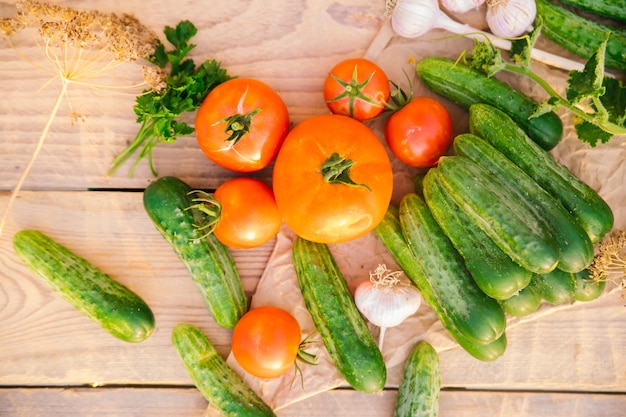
x,y
597,101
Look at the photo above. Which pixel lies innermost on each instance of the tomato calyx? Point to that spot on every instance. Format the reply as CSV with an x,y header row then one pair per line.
x,y
305,357
399,97
336,170
209,209
353,90
237,125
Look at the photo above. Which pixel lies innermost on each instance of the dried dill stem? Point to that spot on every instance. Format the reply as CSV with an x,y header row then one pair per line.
x,y
609,263
80,45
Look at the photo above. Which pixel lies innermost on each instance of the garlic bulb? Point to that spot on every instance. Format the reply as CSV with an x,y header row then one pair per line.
x,y
413,18
386,299
461,6
510,18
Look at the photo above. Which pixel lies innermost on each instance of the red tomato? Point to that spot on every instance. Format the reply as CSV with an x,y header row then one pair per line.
x,y
420,132
266,341
357,88
249,215
318,201
241,124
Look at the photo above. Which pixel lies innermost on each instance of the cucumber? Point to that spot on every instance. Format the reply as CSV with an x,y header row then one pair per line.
x,y
495,273
389,231
522,304
557,287
501,214
581,35
591,212
343,329
612,9
478,317
216,381
466,86
586,288
575,247
88,289
418,393
211,265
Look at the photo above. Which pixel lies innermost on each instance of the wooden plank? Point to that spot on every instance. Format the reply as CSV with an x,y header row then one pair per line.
x,y
187,402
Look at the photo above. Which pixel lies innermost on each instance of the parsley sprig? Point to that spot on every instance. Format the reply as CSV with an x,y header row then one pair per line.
x,y
185,86
597,101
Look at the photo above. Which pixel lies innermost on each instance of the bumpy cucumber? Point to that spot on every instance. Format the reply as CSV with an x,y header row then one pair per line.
x,y
556,287
525,302
418,393
588,289
591,212
612,9
502,214
389,231
473,313
93,293
495,273
211,265
582,35
466,86
217,382
575,247
343,329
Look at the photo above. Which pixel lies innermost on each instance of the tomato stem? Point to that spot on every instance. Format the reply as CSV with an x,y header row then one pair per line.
x,y
336,170
237,125
353,90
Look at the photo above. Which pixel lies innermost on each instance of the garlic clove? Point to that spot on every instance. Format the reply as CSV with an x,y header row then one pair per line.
x,y
413,18
510,18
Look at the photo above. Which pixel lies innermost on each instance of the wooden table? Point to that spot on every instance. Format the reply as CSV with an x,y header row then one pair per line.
x,y
55,362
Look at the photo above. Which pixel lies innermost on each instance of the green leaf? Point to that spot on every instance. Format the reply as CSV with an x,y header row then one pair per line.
x,y
590,133
521,48
180,36
614,100
588,83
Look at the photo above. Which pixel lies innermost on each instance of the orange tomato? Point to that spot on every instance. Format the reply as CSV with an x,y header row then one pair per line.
x,y
249,216
241,124
356,87
320,201
266,341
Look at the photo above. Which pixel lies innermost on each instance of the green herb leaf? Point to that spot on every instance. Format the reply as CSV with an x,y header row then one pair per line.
x,y
186,87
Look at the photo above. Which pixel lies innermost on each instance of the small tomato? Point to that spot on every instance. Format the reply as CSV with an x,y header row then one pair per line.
x,y
357,88
420,132
249,216
332,179
241,124
266,341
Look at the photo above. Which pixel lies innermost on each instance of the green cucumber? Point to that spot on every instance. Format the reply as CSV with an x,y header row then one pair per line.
x,y
581,35
591,212
389,231
495,273
466,86
503,215
88,289
216,381
478,317
522,304
588,289
557,287
612,9
418,393
343,329
211,265
575,247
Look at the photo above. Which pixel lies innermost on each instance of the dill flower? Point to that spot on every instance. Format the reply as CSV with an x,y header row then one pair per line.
x,y
609,264
81,45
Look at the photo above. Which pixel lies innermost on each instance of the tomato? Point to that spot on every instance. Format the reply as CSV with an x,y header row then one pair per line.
x,y
332,179
266,341
248,216
241,124
357,88
420,132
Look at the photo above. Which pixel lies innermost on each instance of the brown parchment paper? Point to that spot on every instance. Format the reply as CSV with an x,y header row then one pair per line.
x,y
601,167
